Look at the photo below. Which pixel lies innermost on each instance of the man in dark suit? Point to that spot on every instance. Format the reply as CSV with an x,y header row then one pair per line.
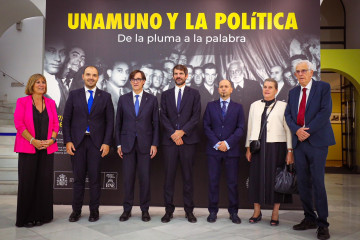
x,y
223,126
180,115
137,138
88,126
308,116
276,72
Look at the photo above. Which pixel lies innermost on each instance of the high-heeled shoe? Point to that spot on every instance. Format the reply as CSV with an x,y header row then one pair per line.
x,y
274,223
255,219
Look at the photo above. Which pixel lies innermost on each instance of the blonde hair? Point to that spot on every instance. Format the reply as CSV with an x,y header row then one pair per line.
x,y
29,89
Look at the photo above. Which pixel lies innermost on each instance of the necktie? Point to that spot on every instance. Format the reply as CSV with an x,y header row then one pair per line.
x,y
137,105
90,102
223,109
179,101
301,113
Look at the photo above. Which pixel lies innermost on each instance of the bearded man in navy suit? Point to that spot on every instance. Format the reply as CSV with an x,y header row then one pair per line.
x,y
88,127
308,116
137,138
224,126
180,115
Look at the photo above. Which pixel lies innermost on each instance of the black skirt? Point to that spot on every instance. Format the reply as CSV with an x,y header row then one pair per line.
x,y
263,171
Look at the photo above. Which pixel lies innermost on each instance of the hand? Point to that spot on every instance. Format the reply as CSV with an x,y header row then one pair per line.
x,y
70,148
153,151
302,134
120,152
47,143
222,146
179,142
104,149
177,134
37,144
289,158
248,154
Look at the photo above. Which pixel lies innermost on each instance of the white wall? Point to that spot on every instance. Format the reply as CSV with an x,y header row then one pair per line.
x,y
21,55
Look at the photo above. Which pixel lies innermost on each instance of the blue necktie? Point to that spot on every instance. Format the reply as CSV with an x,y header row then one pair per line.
x,y
179,101
90,102
137,105
223,109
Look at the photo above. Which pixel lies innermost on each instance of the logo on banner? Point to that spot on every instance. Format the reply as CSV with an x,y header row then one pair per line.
x,y
62,180
110,180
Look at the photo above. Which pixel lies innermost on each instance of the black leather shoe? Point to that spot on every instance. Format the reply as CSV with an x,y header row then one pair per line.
x,y
125,216
29,224
190,217
94,215
323,233
145,216
305,225
212,217
167,217
38,223
235,218
75,216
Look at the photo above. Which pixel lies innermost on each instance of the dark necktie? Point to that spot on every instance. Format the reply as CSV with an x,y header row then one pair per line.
x,y
90,102
137,105
301,113
179,101
223,109
67,82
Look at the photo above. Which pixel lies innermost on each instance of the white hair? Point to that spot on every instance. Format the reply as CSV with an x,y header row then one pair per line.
x,y
307,62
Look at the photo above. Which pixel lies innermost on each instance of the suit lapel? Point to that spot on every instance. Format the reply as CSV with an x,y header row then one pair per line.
x,y
144,99
172,99
184,98
97,99
230,108
83,99
311,94
296,99
131,103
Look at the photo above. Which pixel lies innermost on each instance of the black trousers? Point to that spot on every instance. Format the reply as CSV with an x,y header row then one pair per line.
x,y
174,154
35,189
86,160
132,161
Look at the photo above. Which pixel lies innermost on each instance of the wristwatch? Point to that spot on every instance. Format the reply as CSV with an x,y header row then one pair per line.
x,y
54,139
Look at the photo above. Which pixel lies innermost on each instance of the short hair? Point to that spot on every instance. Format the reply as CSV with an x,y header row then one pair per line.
x,y
238,62
298,56
195,68
90,66
288,69
273,81
132,74
209,66
181,68
29,89
166,61
307,62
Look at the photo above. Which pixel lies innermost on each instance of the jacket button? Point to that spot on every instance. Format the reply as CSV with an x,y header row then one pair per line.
x,y
178,115
222,126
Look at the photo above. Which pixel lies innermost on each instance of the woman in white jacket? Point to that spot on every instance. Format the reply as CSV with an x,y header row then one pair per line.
x,y
266,119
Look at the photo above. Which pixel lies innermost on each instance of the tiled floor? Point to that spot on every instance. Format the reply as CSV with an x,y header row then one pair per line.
x,y
344,207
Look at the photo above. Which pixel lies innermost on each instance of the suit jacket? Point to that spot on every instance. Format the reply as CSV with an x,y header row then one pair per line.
x,y
317,114
277,129
24,120
229,129
187,119
77,118
206,96
284,92
145,126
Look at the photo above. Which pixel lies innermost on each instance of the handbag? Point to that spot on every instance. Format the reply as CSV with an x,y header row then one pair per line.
x,y
285,180
255,145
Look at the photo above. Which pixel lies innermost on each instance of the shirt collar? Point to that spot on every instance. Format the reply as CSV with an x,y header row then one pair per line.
x,y
308,86
178,88
140,94
94,90
227,100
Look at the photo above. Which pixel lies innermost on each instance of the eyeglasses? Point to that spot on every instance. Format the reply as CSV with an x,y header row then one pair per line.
x,y
303,71
136,80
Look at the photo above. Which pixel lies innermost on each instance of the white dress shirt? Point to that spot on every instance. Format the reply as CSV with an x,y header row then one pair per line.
x,y
140,96
177,89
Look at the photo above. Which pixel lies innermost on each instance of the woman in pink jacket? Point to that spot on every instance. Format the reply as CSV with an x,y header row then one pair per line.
x,y
37,125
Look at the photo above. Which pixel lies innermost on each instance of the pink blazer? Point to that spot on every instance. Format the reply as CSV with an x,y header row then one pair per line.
x,y
23,119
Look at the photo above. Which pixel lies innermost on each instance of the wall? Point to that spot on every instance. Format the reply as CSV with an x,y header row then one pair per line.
x,y
21,55
352,8
335,151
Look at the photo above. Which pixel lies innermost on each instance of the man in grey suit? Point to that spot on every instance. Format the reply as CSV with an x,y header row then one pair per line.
x,y
137,138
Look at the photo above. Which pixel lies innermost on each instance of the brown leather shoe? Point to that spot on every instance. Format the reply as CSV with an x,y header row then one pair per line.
x,y
75,216
191,217
167,217
125,216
